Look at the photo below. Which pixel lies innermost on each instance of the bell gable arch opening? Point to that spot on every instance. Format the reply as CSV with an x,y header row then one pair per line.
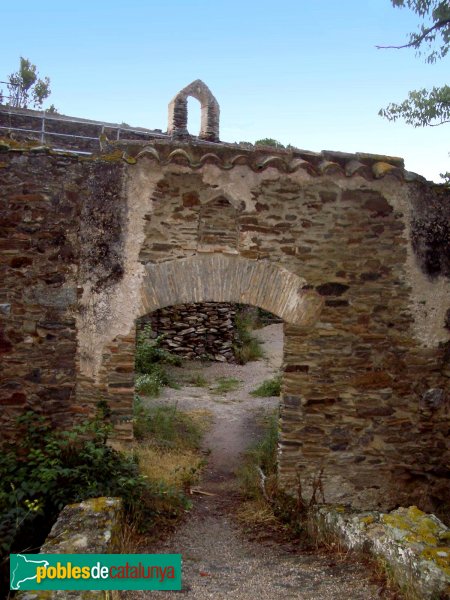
x,y
210,112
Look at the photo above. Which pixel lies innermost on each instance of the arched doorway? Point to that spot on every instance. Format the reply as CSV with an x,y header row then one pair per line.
x,y
206,277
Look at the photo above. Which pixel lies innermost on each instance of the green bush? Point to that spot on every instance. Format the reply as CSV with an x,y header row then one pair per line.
x,y
149,352
149,361
268,388
246,347
45,469
150,384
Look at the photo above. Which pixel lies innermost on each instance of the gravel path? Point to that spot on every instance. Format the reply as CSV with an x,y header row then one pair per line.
x,y
218,561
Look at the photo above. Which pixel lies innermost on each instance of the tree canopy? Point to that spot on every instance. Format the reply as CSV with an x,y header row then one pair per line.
x,y
25,87
425,107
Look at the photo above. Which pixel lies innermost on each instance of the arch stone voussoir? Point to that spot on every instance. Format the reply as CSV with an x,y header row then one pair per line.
x,y
226,278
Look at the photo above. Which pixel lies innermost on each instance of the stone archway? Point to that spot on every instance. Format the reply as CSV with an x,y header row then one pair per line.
x,y
228,278
208,277
210,112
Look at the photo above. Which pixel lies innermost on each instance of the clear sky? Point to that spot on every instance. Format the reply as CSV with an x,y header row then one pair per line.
x,y
305,72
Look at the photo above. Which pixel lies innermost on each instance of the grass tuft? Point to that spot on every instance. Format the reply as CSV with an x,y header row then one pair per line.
x,y
225,385
268,388
246,347
166,426
198,380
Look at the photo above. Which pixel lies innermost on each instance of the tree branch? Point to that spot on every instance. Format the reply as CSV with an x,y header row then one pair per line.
x,y
437,124
420,38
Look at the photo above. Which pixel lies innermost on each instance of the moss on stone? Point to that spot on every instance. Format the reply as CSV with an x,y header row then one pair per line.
x,y
415,513
112,156
440,556
367,520
396,520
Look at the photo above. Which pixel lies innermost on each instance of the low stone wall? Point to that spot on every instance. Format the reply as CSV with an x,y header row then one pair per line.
x,y
90,527
197,331
413,546
65,132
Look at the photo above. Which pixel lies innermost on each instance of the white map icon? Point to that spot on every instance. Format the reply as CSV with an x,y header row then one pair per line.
x,y
15,585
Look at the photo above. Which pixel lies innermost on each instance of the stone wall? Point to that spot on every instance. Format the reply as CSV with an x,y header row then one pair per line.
x,y
412,547
196,331
70,133
60,231
89,246
93,526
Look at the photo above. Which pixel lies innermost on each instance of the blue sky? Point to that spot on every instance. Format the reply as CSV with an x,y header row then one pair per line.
x,y
302,72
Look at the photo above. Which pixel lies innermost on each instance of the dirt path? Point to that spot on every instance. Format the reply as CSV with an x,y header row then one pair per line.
x,y
218,561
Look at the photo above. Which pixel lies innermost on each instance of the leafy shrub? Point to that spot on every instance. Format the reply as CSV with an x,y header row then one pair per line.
x,y
268,388
45,469
149,361
149,352
150,384
248,351
246,347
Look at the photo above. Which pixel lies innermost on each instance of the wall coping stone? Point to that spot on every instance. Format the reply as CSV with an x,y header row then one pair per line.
x,y
414,545
89,527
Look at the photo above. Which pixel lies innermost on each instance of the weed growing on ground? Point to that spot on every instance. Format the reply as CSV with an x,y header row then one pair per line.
x,y
262,455
177,468
258,477
149,364
198,380
165,426
246,347
268,388
225,385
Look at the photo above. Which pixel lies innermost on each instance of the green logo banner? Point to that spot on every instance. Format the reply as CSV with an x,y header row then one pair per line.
x,y
95,571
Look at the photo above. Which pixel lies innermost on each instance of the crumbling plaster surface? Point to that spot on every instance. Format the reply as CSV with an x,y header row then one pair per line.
x,y
108,313
429,297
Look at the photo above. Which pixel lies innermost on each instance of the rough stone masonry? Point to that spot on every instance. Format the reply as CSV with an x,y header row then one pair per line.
x,y
350,250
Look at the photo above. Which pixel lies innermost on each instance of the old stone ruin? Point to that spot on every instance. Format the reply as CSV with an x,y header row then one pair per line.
x,y
104,224
202,331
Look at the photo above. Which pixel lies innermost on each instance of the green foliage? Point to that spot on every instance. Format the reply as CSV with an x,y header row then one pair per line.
x,y
165,426
269,142
263,454
268,388
246,347
262,457
423,107
45,469
25,88
150,384
149,361
149,352
198,380
434,32
225,385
